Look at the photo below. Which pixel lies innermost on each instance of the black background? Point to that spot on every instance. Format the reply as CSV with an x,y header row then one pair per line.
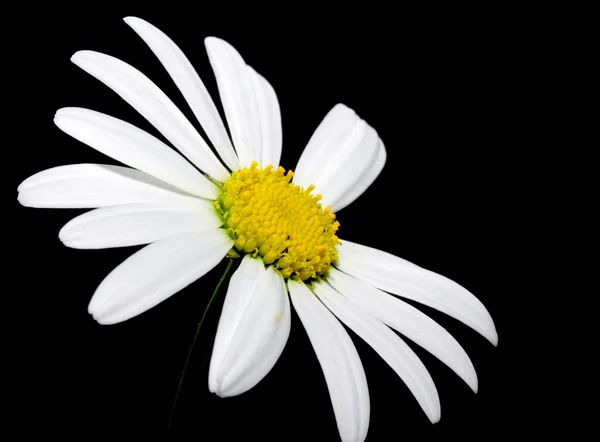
x,y
435,84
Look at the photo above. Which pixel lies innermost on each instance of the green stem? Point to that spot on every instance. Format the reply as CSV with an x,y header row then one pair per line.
x,y
194,342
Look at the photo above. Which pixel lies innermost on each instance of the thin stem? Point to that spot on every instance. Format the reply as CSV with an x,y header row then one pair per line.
x,y
194,342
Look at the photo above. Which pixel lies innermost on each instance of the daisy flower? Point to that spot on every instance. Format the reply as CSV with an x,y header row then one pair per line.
x,y
194,208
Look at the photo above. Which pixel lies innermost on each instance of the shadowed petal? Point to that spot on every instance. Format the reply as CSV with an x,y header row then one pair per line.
x,y
402,278
364,180
407,320
135,224
388,345
145,97
133,147
79,186
157,272
253,329
341,159
269,116
250,105
191,86
339,361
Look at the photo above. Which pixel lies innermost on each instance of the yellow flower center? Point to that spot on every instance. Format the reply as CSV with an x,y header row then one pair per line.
x,y
267,215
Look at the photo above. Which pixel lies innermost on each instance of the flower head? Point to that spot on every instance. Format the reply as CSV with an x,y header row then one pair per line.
x,y
279,221
194,208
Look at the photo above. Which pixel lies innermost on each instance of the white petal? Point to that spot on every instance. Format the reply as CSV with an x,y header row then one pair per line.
x,y
253,329
96,185
191,86
339,154
339,361
407,320
388,345
249,102
133,147
270,120
157,272
364,181
135,224
402,278
327,137
145,97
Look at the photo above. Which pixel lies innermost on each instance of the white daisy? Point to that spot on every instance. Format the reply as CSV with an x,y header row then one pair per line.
x,y
194,213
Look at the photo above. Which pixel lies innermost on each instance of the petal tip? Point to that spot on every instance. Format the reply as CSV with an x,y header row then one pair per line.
x,y
108,319
215,43
492,336
470,378
79,57
343,108
434,411
66,112
474,384
58,117
84,55
93,313
65,236
131,19
63,233
98,320
212,383
93,306
105,321
211,40
135,22
23,196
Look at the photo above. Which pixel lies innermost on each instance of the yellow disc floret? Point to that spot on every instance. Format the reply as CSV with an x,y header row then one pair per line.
x,y
267,215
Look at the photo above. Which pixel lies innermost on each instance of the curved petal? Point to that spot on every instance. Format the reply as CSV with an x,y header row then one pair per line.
x,y
364,181
339,361
145,97
249,102
157,272
388,345
407,320
133,147
253,329
402,278
326,139
269,116
191,86
135,224
340,152
85,186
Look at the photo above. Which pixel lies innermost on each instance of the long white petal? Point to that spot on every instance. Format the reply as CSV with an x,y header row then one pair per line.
x,y
324,142
269,116
364,181
340,153
135,224
145,97
96,185
403,278
339,361
237,95
388,345
253,329
157,272
407,320
133,147
191,86
249,102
